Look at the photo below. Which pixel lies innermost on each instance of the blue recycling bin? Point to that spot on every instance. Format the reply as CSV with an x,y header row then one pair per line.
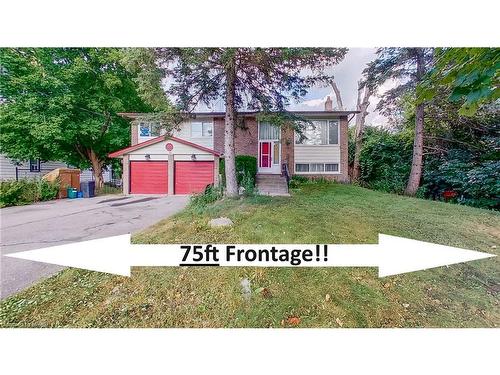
x,y
88,189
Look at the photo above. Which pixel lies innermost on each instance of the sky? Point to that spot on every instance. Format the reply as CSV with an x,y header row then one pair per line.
x,y
347,74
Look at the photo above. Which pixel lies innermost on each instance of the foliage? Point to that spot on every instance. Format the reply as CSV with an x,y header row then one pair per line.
x,y
476,183
398,66
62,104
245,165
470,75
248,184
385,160
211,194
26,191
266,78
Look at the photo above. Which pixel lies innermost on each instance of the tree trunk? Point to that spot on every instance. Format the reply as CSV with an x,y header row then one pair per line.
x,y
338,97
418,144
96,169
229,125
362,106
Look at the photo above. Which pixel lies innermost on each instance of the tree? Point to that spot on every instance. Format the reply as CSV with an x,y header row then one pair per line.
x,y
406,68
263,79
62,104
365,91
470,75
338,96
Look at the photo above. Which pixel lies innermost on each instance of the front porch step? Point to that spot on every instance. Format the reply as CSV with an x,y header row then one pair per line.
x,y
272,184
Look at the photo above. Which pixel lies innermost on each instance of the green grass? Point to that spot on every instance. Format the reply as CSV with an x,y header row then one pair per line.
x,y
464,295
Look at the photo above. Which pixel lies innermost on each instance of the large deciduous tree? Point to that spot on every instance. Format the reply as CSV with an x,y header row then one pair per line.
x,y
62,104
406,68
471,76
263,79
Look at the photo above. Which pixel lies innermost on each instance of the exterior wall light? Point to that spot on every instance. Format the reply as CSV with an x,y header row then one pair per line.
x,y
147,157
193,157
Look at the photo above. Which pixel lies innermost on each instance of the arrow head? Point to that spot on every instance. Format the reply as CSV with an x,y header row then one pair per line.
x,y
110,255
401,255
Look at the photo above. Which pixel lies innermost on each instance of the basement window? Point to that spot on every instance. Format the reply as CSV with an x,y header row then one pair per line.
x,y
316,168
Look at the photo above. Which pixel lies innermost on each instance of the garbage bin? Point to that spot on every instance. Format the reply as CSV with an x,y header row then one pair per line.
x,y
72,193
88,189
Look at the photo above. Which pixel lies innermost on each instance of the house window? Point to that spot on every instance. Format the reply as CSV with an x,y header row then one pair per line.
x,y
316,167
319,132
301,167
34,165
268,132
149,129
201,129
332,167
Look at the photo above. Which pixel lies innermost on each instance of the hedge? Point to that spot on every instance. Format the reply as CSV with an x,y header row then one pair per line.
x,y
245,164
16,193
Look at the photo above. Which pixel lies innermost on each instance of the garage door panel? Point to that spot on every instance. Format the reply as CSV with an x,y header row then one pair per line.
x,y
148,177
193,176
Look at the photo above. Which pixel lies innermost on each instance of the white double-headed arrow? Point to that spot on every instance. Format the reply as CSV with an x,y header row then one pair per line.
x,y
116,255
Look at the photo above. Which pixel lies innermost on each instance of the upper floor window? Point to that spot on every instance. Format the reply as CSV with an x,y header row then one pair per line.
x,y
34,165
149,129
319,132
201,129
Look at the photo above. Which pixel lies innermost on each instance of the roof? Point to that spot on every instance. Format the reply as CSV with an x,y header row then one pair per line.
x,y
134,115
161,138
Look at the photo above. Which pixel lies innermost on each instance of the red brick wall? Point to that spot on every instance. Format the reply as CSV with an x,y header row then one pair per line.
x,y
246,141
245,136
219,134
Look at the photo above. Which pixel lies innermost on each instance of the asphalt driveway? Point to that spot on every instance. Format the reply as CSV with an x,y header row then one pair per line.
x,y
71,220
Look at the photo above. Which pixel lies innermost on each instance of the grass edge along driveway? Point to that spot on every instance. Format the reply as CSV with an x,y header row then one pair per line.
x,y
464,295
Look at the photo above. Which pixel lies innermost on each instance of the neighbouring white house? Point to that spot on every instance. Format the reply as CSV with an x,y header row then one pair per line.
x,y
35,168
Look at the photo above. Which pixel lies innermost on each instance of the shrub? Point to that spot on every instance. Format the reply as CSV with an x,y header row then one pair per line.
x,y
14,193
211,194
245,164
248,183
476,183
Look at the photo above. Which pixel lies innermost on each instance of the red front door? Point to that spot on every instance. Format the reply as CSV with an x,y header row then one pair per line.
x,y
265,154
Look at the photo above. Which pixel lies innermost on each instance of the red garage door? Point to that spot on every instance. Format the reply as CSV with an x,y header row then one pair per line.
x,y
148,177
193,176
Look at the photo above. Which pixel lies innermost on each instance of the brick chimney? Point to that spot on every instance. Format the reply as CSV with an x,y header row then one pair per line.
x,y
328,104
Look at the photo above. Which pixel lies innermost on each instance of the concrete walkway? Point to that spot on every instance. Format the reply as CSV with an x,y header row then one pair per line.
x,y
71,220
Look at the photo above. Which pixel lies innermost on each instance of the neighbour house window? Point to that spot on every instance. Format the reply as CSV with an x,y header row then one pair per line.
x,y
319,132
316,167
149,129
201,129
34,165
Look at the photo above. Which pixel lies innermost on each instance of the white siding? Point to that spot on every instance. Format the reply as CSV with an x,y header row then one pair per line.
x,y
317,154
184,132
8,169
87,175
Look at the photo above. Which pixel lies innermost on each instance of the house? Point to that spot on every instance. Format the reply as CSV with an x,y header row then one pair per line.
x,y
186,161
35,168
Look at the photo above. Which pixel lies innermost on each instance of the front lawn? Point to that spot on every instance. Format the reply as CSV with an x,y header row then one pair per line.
x,y
464,295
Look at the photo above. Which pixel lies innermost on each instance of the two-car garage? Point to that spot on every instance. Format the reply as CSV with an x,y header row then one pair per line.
x,y
168,166
151,177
